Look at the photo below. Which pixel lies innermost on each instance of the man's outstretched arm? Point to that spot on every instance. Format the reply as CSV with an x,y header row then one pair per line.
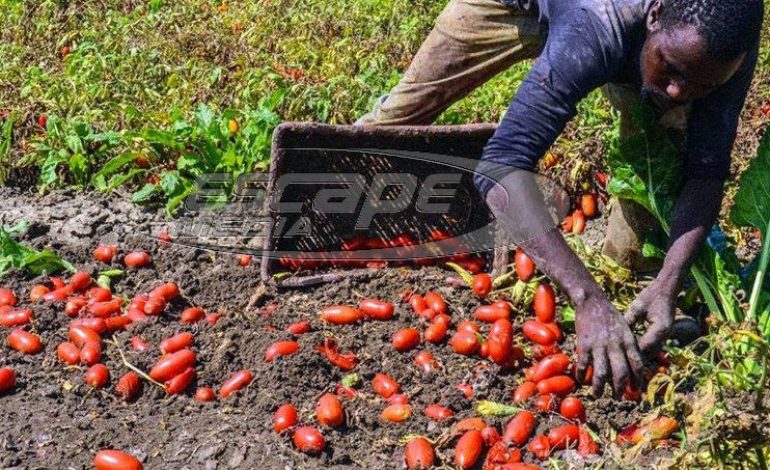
x,y
696,211
604,338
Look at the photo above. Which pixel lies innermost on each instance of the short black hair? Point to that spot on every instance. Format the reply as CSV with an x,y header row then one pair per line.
x,y
730,27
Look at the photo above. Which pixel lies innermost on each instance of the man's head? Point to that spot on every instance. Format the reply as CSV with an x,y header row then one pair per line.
x,y
695,46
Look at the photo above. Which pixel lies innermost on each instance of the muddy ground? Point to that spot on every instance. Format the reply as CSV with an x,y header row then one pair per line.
x,y
53,420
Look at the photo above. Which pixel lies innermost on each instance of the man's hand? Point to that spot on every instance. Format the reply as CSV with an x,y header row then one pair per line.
x,y
605,339
656,304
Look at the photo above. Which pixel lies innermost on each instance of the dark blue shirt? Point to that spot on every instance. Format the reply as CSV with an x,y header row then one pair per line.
x,y
591,43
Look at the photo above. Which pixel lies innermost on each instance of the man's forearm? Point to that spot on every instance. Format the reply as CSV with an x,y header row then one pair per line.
x,y
695,214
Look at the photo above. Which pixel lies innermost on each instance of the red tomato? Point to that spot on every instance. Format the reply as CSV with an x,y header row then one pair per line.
x,y
138,344
15,318
244,260
466,389
572,408
309,440
99,294
562,436
212,318
586,444
236,382
491,436
105,309
578,222
436,332
425,361
660,428
74,306
205,394
467,325
491,313
98,325
7,297
538,333
588,205
172,365
396,413
129,386
116,460
418,303
155,306
540,447
437,412
176,342
91,353
465,343
502,456
97,376
167,291
81,335
519,428
384,385
119,322
24,342
482,284
500,342
555,330
435,302
539,351
58,295
7,379
281,349
468,424
80,281
329,411
419,454
545,303
546,403
524,392
551,366
406,339
180,382
105,253
341,315
68,353
468,449
525,267
284,418
37,292
559,385
377,309
192,315
299,328
137,259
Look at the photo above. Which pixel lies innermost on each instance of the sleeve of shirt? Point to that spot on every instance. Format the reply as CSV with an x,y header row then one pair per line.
x,y
576,60
713,125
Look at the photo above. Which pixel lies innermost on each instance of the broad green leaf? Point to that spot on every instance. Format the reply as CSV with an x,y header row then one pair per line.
x,y
14,255
115,164
752,201
48,174
144,194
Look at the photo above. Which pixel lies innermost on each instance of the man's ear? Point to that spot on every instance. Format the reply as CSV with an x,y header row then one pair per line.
x,y
653,16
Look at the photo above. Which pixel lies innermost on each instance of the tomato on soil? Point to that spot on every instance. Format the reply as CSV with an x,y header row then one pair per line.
x,y
7,379
236,382
329,411
525,267
482,284
419,454
205,394
284,418
384,385
406,339
309,440
468,449
519,428
109,459
97,376
24,342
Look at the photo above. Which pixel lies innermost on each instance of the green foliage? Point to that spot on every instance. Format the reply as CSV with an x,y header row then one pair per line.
x,y
14,255
752,209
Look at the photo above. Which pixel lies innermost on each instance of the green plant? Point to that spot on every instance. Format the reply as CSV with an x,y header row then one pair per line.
x,y
14,255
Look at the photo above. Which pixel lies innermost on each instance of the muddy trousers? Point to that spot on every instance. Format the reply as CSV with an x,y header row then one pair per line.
x,y
471,42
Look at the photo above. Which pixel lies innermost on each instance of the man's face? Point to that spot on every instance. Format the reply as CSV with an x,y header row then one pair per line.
x,y
676,67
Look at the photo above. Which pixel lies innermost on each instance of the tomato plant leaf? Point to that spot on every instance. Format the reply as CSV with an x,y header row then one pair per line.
x,y
144,194
14,255
752,201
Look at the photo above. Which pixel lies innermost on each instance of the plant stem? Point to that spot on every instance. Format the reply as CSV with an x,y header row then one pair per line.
x,y
760,278
761,459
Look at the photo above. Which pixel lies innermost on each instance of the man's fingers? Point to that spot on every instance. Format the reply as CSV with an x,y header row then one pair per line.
x,y
655,335
584,360
619,366
634,359
601,370
635,312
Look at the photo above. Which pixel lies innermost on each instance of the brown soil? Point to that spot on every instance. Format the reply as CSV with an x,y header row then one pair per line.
x,y
54,420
